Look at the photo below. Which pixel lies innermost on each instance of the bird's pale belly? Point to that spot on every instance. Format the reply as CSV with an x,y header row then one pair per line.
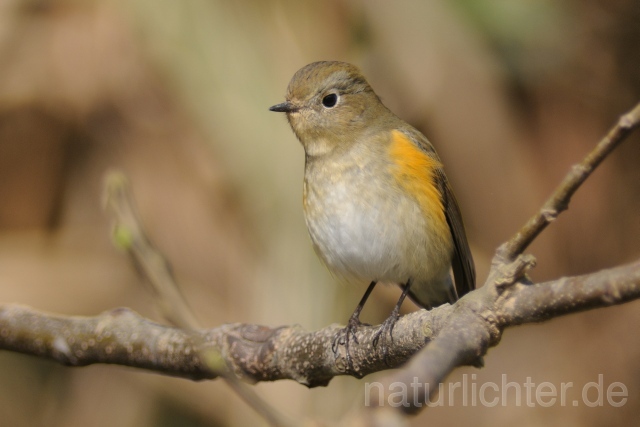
x,y
363,241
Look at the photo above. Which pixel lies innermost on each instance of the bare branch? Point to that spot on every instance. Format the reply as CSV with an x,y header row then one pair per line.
x,y
542,301
458,334
118,336
128,234
559,200
481,316
251,352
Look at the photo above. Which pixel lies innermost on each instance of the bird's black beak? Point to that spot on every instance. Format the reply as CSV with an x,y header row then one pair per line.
x,y
285,107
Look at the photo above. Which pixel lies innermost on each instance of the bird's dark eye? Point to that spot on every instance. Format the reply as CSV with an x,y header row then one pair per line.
x,y
330,100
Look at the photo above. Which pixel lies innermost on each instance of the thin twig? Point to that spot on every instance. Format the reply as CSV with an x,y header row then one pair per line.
x,y
129,234
559,200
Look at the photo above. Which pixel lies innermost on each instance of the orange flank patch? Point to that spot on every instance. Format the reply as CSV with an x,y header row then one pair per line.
x,y
416,173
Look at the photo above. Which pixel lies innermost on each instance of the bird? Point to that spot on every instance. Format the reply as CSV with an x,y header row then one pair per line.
x,y
376,201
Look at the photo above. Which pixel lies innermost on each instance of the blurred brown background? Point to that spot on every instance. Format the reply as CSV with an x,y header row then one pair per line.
x,y
176,95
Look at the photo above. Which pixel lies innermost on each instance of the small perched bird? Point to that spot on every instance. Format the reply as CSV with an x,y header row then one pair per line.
x,y
377,203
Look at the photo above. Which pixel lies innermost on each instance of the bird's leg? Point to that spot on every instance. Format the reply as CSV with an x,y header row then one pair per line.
x,y
387,325
343,336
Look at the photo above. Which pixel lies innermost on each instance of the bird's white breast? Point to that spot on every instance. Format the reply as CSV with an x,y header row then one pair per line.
x,y
365,228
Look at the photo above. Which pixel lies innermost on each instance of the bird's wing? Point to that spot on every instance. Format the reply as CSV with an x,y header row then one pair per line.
x,y
464,272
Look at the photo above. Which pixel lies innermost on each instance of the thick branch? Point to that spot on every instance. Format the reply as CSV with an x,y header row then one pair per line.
x,y
542,301
251,352
460,335
118,336
480,319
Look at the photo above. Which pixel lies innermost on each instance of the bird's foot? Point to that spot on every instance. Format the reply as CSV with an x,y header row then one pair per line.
x,y
380,337
344,337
